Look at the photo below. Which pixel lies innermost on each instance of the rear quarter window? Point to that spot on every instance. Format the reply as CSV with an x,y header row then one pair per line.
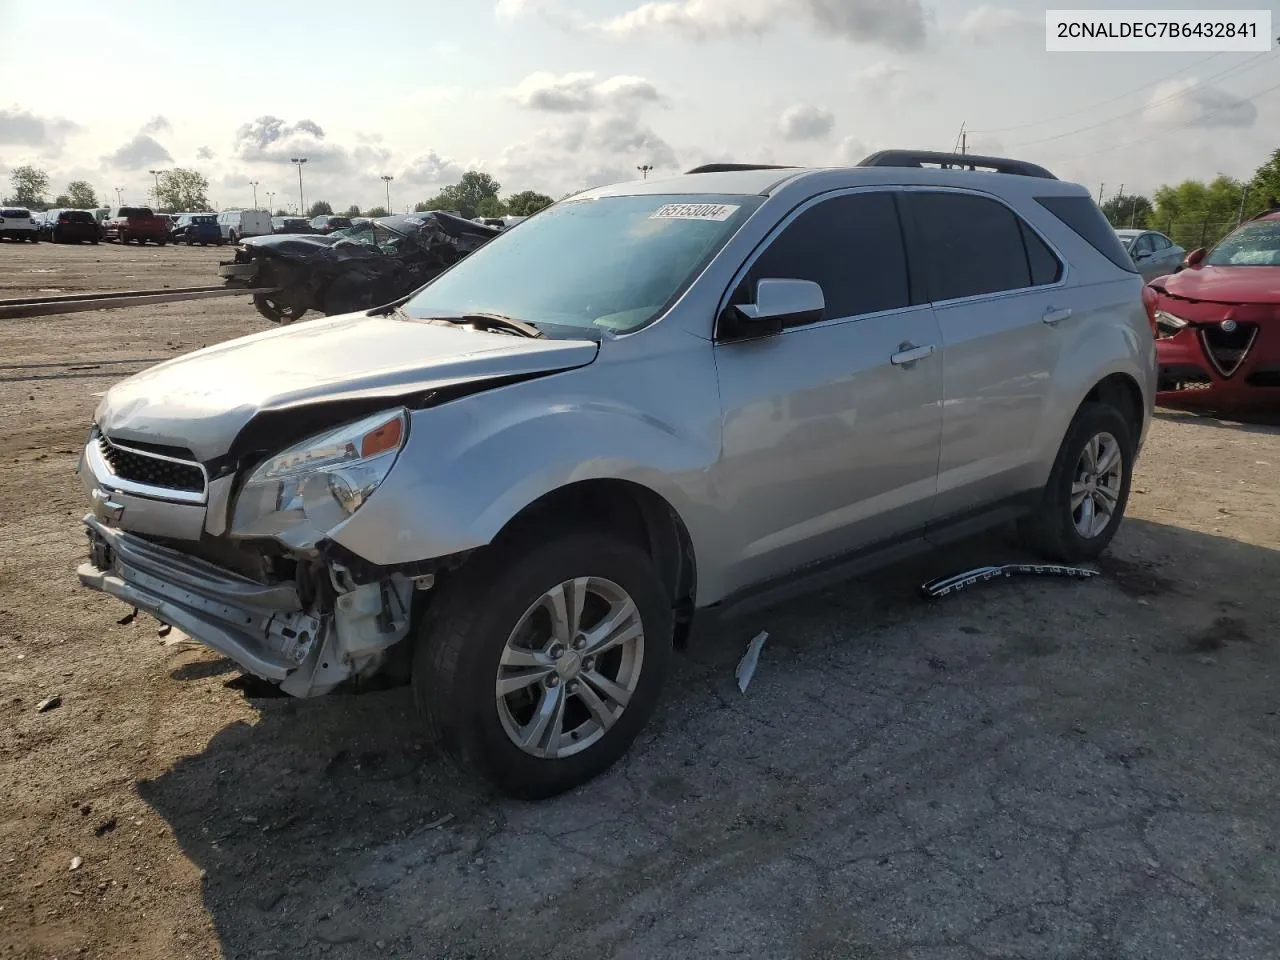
x,y
1082,215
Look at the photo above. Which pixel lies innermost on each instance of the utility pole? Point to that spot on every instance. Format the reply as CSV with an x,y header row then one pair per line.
x,y
299,161
1244,196
1100,186
387,178
644,169
1133,213
156,174
964,141
254,184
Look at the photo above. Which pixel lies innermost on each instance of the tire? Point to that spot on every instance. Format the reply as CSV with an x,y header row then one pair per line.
x,y
464,635
1054,530
124,237
233,238
161,243
94,241
276,312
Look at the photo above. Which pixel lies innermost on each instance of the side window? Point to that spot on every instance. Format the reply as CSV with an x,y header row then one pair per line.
x,y
1161,241
852,245
1142,245
970,245
1044,263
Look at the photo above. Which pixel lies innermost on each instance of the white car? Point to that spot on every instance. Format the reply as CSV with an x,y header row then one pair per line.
x,y
19,223
238,224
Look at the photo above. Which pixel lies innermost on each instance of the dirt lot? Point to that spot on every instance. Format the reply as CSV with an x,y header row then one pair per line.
x,y
1034,768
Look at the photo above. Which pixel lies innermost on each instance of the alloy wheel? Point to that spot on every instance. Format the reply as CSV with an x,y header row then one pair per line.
x,y
1095,487
570,667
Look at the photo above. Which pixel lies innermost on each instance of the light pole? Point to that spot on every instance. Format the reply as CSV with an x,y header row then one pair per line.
x,y
271,200
387,178
299,161
254,184
644,169
156,174
119,190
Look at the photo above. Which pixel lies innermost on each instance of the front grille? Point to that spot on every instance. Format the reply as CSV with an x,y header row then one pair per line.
x,y
153,471
1182,376
1226,351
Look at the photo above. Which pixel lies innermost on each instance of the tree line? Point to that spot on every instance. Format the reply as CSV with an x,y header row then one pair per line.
x,y
476,194
1198,213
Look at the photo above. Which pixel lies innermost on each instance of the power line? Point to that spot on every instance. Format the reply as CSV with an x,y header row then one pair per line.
x,y
1171,127
1102,103
1146,106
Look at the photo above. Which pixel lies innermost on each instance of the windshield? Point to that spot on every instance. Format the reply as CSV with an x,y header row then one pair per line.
x,y
1255,244
615,262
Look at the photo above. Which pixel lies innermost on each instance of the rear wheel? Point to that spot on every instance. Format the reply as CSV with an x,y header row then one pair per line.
x,y
538,664
276,312
1088,489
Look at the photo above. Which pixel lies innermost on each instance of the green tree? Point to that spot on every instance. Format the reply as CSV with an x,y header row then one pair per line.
x,y
320,208
465,196
377,212
182,189
81,195
30,184
1127,211
1197,214
491,207
527,202
281,212
352,211
1264,188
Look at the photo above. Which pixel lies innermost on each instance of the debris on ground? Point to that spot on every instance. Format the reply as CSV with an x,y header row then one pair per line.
x,y
50,703
943,586
747,665
76,862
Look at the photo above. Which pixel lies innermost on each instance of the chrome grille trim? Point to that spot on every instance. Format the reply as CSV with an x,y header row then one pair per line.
x,y
98,453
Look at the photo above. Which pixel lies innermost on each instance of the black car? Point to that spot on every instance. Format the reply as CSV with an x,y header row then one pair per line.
x,y
291,225
328,224
366,266
70,226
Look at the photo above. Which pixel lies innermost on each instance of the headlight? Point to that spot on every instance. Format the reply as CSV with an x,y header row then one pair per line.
x,y
301,494
1167,324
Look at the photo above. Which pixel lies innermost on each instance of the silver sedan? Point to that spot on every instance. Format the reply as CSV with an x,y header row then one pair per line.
x,y
1153,253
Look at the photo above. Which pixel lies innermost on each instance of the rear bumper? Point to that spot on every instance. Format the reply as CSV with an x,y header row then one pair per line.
x,y
261,627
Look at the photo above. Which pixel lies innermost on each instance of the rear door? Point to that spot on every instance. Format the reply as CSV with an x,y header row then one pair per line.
x,y
830,431
997,288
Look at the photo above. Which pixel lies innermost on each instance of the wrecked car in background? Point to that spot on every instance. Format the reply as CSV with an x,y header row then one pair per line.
x,y
365,266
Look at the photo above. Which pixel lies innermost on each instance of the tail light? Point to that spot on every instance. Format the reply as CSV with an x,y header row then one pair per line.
x,y
1149,298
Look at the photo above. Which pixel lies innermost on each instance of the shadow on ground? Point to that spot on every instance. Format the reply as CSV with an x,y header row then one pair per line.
x,y
1030,768
1247,421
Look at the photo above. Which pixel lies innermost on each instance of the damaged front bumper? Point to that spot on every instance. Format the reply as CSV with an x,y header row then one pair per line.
x,y
266,628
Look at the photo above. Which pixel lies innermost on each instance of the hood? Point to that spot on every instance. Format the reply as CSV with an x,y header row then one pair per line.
x,y
202,400
1224,284
305,244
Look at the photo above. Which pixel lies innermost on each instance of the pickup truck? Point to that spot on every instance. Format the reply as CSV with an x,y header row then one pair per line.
x,y
136,224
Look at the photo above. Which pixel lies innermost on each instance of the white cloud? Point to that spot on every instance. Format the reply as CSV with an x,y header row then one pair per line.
x,y
1183,103
576,92
429,170
806,122
883,81
851,150
204,153
20,127
140,152
270,139
157,124
995,24
901,24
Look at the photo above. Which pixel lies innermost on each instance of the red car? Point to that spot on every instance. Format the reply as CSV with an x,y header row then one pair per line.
x,y
1217,322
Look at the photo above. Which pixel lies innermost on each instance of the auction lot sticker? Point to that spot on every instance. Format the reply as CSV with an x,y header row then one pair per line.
x,y
1158,31
694,211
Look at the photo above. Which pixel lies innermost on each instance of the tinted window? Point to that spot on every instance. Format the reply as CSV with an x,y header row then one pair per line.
x,y
1045,266
1160,241
970,245
15,213
1082,215
852,246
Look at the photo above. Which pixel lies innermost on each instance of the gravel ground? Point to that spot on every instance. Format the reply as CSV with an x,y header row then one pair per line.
x,y
1033,768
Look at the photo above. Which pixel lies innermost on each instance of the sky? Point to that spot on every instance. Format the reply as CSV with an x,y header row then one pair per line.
x,y
558,95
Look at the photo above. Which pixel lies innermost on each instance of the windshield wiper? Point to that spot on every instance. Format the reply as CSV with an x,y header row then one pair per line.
x,y
494,321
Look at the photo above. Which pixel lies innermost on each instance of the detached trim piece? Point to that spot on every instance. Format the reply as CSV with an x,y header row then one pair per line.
x,y
730,167
943,586
956,161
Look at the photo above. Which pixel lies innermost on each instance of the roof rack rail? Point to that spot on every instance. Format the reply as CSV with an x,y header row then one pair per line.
x,y
955,161
728,167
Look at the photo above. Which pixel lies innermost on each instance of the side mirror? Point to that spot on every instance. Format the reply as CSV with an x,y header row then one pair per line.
x,y
1195,256
779,304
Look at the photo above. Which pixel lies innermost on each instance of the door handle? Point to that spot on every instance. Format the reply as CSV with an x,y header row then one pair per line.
x,y
908,354
1052,315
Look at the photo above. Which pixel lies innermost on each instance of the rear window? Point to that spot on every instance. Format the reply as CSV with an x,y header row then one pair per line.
x,y
209,219
15,213
136,212
1082,215
77,216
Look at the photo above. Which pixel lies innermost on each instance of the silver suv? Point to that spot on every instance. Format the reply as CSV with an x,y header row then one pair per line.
x,y
652,403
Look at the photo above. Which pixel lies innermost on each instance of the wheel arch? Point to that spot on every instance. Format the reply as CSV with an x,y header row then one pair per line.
x,y
1121,391
633,511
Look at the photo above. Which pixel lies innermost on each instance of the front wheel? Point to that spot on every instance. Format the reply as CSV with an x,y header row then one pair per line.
x,y
539,662
1088,489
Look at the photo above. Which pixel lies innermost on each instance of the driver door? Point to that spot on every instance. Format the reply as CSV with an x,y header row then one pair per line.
x,y
832,429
